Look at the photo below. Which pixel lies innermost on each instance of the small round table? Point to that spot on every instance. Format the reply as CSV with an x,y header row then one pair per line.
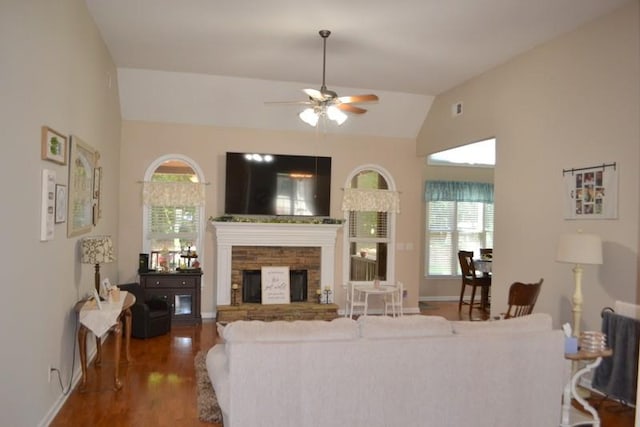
x,y
373,290
571,392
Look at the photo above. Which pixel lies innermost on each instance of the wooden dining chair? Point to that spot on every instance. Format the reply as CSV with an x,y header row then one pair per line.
x,y
471,278
522,298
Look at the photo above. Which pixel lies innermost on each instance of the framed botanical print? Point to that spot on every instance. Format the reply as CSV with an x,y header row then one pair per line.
x,y
54,146
82,162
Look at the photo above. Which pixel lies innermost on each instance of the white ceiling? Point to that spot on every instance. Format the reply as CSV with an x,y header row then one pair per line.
x,y
221,60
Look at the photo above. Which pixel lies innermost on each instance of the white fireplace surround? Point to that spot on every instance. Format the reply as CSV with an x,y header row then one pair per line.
x,y
230,234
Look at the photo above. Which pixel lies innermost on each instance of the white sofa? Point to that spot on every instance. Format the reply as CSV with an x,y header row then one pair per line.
x,y
390,372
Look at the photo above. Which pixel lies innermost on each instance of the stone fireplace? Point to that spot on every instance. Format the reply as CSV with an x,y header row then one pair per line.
x,y
250,246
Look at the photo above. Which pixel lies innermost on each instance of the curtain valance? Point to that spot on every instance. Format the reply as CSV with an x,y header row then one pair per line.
x,y
458,191
173,193
370,200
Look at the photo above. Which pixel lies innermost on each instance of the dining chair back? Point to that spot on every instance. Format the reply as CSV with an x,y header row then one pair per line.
x,y
522,298
393,301
355,300
471,278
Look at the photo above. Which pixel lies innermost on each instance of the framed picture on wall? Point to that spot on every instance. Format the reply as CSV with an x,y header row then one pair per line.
x,y
80,211
97,182
54,146
61,203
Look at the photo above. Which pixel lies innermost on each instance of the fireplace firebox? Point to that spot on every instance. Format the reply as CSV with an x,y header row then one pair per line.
x,y
252,286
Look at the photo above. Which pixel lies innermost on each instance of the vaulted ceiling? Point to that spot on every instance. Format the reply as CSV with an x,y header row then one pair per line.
x,y
217,62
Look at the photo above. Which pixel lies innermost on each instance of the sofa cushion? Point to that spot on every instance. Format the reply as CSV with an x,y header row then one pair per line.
x,y
340,329
531,323
403,326
218,371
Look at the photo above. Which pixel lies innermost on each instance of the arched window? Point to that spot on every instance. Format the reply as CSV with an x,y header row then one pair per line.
x,y
370,203
173,197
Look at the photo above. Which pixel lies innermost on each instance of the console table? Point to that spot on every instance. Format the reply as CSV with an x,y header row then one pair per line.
x,y
571,417
180,290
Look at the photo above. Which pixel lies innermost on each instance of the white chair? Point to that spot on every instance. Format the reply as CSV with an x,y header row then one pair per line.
x,y
355,300
393,301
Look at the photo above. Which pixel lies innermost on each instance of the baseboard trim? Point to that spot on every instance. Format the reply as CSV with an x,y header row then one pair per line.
x,y
439,299
62,398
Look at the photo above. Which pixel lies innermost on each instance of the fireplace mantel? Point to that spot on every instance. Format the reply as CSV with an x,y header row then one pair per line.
x,y
230,234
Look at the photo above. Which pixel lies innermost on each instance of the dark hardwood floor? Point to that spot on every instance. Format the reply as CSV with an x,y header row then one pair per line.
x,y
159,385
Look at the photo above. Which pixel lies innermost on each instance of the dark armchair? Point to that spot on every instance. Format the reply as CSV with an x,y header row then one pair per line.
x,y
150,317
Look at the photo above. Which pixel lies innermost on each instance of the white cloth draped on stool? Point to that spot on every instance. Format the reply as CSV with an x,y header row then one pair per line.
x,y
99,321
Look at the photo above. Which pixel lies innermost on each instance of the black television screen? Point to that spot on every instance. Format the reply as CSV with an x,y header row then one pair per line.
x,y
276,184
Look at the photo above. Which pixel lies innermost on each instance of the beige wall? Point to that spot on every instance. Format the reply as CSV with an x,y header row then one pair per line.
x,y
143,142
54,71
573,102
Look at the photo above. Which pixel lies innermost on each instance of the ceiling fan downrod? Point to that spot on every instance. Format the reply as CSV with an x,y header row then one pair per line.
x,y
324,34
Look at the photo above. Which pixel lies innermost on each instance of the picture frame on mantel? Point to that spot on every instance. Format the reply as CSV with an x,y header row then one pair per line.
x,y
275,285
54,146
80,212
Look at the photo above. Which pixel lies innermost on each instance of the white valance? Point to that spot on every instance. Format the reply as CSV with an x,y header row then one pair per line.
x,y
370,200
173,193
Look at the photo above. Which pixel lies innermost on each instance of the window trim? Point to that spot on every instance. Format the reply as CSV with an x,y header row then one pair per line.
x,y
145,209
391,227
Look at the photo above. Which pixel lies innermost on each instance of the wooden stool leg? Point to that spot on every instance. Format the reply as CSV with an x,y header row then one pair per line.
x,y
82,349
118,331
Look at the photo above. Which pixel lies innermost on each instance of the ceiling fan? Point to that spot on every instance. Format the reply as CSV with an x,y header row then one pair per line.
x,y
327,103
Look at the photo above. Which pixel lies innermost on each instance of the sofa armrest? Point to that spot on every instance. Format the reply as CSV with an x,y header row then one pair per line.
x,y
140,310
157,304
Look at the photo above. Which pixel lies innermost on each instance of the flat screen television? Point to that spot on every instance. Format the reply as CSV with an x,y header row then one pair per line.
x,y
277,184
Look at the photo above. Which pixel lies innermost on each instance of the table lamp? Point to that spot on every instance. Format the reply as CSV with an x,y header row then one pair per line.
x,y
578,249
97,250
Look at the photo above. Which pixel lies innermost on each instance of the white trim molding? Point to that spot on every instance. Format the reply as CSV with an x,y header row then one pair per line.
x,y
230,234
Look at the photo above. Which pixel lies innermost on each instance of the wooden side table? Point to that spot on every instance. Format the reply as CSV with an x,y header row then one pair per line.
x,y
117,330
570,416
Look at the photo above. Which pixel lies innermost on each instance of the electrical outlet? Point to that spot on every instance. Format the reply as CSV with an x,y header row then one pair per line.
x,y
51,371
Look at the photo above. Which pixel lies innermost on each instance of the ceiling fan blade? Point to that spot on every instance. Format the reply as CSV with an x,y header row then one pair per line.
x,y
351,108
315,94
358,98
290,102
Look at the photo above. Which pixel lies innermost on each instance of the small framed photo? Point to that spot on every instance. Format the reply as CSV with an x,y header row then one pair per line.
x,y
54,146
61,203
106,286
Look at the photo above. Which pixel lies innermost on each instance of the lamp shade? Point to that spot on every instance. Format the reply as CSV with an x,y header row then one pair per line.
x,y
579,248
97,250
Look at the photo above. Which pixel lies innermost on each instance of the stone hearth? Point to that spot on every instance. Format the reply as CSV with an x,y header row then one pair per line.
x,y
293,311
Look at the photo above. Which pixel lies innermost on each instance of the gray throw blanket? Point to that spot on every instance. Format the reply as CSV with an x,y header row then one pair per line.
x,y
617,375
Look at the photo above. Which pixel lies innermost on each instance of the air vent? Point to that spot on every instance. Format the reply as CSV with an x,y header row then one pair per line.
x,y
456,109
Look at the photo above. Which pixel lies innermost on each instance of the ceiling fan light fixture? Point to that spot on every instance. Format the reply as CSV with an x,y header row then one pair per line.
x,y
336,115
309,117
